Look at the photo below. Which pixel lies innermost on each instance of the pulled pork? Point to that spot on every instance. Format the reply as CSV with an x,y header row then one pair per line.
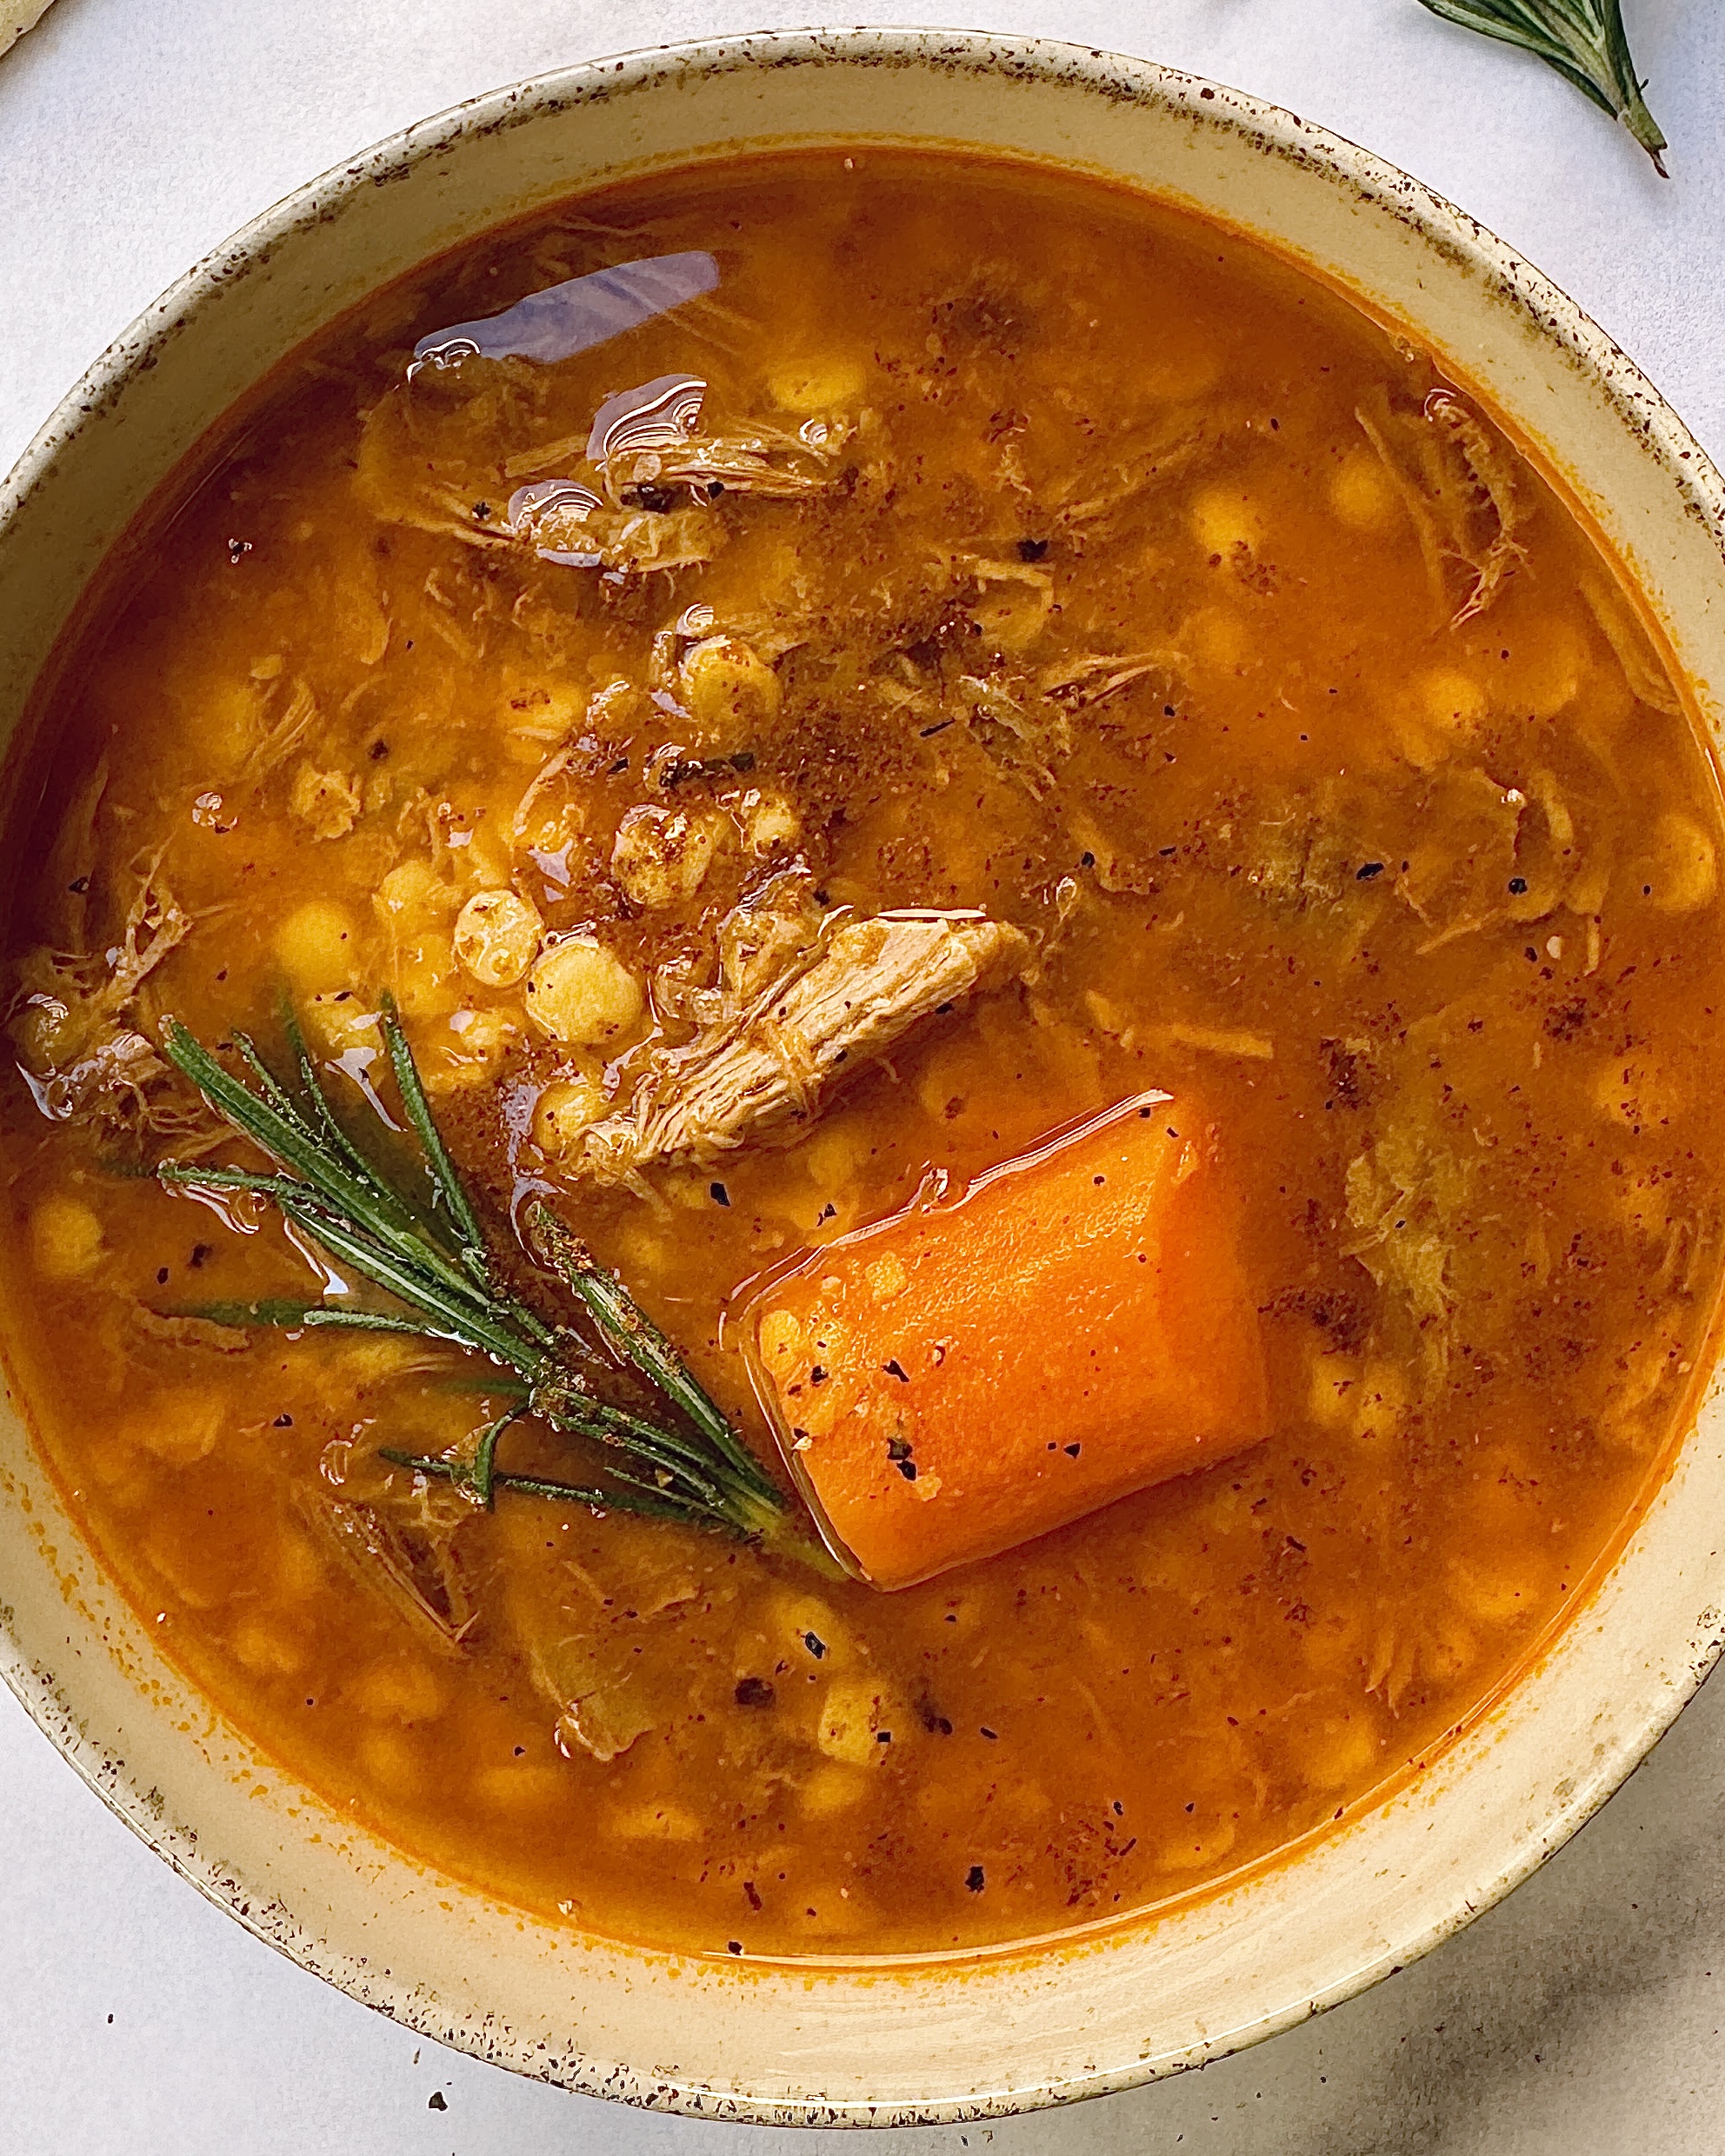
x,y
862,988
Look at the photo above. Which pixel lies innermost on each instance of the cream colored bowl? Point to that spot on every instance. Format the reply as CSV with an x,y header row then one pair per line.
x,y
842,2043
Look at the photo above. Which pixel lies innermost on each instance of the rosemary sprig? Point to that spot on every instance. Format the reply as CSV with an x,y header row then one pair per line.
x,y
434,1261
1583,40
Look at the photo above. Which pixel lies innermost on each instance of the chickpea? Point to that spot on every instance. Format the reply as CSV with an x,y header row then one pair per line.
x,y
1638,1093
731,692
339,1021
1332,1390
520,1788
317,944
651,1820
267,1650
1362,494
486,1036
65,1238
1551,665
478,1042
1684,865
414,890
1344,1752
565,1110
391,1758
1225,518
1012,615
229,721
398,1691
831,1789
180,1427
768,823
580,993
497,937
662,854
813,389
1448,697
425,984
850,1725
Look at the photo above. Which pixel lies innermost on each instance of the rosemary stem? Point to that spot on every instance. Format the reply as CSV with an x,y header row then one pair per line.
x,y
436,1266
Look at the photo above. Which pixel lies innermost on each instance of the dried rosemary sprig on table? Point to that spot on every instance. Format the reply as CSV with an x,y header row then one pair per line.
x,y
1584,40
434,1261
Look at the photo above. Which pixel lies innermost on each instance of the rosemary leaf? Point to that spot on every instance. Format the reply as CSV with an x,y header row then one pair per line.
x,y
1583,40
418,1108
287,1316
538,1486
275,1127
638,1340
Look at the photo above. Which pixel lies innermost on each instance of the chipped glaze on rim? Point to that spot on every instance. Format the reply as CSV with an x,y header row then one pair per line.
x,y
1666,1671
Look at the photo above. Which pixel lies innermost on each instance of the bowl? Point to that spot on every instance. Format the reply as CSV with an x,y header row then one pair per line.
x,y
910,2039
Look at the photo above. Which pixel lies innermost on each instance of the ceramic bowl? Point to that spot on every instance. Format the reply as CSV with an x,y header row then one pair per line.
x,y
934,2039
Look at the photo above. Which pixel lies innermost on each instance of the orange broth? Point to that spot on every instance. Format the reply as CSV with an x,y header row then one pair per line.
x,y
1133,590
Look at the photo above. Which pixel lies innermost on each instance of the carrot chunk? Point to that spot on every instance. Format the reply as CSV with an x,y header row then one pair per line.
x,y
960,1377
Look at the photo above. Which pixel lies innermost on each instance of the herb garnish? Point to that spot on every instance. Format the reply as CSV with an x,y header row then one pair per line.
x,y
435,1262
1583,40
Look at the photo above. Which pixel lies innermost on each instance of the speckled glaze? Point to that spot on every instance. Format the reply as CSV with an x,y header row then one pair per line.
x,y
858,2043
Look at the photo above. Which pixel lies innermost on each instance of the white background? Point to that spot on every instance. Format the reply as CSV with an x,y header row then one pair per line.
x,y
1582,2017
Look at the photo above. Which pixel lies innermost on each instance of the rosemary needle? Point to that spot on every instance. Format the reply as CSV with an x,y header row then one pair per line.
x,y
1583,40
688,1464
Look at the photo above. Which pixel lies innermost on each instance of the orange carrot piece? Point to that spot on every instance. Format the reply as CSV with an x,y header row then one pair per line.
x,y
960,1377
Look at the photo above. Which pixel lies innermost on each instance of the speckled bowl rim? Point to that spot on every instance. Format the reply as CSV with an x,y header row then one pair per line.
x,y
1442,227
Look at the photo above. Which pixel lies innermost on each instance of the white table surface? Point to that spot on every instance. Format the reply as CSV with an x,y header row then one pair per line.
x,y
1582,2017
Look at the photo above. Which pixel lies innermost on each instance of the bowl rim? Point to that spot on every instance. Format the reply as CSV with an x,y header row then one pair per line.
x,y
1437,222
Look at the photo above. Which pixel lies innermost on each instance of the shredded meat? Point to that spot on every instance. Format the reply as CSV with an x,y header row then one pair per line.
x,y
408,1556
71,1021
191,1332
866,986
1457,483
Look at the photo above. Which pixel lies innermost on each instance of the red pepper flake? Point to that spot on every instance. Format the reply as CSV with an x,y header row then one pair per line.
x,y
753,1892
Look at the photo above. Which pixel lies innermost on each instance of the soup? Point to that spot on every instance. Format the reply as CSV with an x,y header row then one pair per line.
x,y
850,701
